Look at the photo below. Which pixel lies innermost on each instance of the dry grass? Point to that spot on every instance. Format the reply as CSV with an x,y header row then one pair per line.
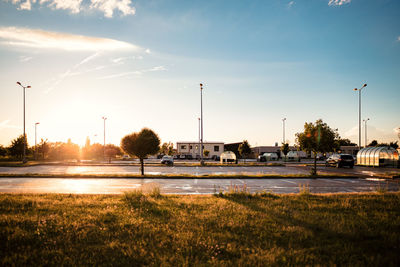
x,y
227,229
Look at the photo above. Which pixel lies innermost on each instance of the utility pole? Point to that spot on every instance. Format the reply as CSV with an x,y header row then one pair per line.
x,y
359,113
36,124
24,150
104,141
283,121
201,116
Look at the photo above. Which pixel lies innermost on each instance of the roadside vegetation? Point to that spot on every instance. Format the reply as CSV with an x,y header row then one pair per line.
x,y
226,229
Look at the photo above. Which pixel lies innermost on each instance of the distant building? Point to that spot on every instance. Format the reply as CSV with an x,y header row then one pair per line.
x,y
193,148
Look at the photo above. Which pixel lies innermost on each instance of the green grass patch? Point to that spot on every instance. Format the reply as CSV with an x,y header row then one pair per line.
x,y
232,228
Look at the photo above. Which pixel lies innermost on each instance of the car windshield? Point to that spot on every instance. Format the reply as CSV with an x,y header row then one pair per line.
x,y
347,157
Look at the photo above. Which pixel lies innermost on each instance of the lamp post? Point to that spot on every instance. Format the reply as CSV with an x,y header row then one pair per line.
x,y
359,113
36,124
283,121
199,135
365,128
104,141
201,131
24,150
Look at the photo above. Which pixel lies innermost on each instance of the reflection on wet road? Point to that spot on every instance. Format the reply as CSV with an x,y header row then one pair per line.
x,y
190,186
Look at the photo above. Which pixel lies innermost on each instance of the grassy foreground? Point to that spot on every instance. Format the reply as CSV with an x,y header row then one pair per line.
x,y
225,230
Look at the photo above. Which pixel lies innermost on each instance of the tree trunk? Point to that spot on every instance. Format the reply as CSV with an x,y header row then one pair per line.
x,y
142,166
315,164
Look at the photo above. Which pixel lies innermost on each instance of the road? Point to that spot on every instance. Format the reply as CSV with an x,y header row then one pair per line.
x,y
191,186
297,169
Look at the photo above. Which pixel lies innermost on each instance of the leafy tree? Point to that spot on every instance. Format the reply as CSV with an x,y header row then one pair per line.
x,y
206,153
285,149
317,137
16,149
141,144
43,148
3,151
63,151
345,142
111,151
167,148
244,149
373,143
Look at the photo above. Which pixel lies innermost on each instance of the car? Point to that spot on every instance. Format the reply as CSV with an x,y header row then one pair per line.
x,y
167,160
340,160
267,157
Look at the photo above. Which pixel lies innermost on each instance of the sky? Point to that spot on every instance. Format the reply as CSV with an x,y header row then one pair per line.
x,y
140,63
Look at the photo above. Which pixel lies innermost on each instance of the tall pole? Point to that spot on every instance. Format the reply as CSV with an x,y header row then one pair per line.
x,y
104,141
24,149
199,135
359,113
283,121
201,116
365,127
36,139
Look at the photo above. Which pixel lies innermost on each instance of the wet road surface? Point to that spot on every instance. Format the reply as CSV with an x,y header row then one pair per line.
x,y
192,186
195,170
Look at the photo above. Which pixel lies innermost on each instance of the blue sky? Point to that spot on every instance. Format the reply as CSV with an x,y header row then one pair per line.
x,y
139,63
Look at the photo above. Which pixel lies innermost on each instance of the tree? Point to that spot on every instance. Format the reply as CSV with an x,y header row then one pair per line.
x,y
206,153
16,149
373,143
43,148
244,149
141,144
345,142
317,137
285,149
3,151
111,151
167,148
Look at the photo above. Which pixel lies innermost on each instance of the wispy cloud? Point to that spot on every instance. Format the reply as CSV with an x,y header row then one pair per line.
x,y
24,58
5,124
290,4
107,7
338,2
398,39
136,72
37,38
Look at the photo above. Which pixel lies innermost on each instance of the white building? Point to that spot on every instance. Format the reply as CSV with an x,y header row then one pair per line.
x,y
193,148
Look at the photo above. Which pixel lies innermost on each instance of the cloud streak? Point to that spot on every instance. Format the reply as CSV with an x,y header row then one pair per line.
x,y
338,2
136,72
107,7
37,38
4,124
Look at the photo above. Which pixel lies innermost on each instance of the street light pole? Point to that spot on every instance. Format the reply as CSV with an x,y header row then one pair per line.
x,y
201,116
283,121
365,128
36,139
199,135
24,150
104,141
359,113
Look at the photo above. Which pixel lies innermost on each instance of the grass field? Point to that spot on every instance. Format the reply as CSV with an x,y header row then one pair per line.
x,y
226,229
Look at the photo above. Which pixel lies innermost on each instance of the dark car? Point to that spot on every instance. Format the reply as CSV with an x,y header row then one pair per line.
x,y
340,160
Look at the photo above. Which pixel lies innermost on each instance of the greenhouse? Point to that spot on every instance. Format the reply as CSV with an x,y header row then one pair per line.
x,y
228,156
378,157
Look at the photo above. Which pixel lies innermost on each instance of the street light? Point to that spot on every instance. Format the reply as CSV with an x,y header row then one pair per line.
x,y
36,124
24,150
365,128
104,146
201,116
359,113
283,121
199,134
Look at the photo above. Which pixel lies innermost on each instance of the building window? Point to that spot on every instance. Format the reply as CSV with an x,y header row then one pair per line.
x,y
190,147
197,147
216,148
183,146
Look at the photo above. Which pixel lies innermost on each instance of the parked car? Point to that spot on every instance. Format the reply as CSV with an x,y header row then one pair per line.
x,y
167,160
340,160
267,157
